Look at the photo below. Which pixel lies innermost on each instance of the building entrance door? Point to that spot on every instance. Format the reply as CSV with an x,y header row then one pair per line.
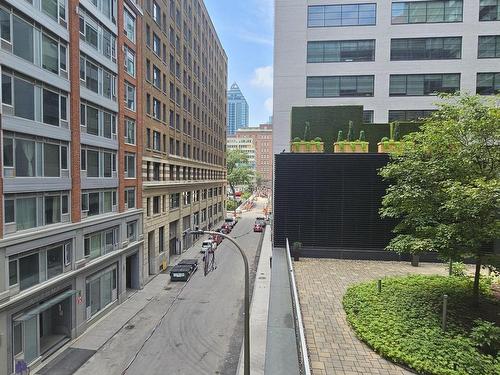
x,y
151,252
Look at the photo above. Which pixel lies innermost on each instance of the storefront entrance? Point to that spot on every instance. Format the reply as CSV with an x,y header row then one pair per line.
x,y
132,272
42,329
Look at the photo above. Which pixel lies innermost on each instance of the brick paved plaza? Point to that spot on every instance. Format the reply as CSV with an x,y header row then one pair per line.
x,y
333,346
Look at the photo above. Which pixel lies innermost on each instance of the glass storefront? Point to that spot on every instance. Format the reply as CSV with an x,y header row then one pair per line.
x,y
101,291
42,328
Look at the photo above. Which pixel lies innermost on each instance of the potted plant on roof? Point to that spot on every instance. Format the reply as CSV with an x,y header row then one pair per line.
x,y
317,145
296,144
392,144
350,145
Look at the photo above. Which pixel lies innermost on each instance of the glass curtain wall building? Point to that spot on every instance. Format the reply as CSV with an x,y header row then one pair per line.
x,y
392,57
237,110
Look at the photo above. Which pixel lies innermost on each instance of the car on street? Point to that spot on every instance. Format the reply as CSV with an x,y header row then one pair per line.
x,y
216,238
231,221
227,227
261,221
207,245
258,228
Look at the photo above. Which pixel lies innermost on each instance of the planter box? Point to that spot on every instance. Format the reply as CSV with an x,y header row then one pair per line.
x,y
389,147
307,147
351,147
317,147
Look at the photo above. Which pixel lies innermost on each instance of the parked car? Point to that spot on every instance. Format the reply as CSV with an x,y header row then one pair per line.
x,y
258,228
207,244
217,239
231,221
225,230
227,227
261,221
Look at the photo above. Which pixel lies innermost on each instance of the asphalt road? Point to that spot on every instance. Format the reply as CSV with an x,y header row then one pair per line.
x,y
190,328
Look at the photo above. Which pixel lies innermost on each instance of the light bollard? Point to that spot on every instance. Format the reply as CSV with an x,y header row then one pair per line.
x,y
445,312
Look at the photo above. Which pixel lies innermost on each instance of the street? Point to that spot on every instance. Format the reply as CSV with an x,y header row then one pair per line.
x,y
188,328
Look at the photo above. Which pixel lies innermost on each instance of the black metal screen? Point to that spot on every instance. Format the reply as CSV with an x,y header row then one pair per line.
x,y
330,202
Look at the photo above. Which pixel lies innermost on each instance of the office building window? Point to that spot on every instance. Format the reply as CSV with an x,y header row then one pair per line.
x,y
489,10
368,117
97,122
129,131
132,231
489,47
129,96
341,51
426,48
98,163
175,200
129,25
156,45
423,84
156,141
156,109
97,79
409,115
100,243
98,202
488,83
29,211
97,36
340,86
26,157
156,205
130,198
427,11
341,15
130,165
129,61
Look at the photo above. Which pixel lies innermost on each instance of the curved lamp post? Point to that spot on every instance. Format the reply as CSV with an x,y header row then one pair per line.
x,y
247,296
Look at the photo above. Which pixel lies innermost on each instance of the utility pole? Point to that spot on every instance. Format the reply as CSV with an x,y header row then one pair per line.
x,y
246,343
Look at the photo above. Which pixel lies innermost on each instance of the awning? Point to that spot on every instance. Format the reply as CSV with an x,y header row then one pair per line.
x,y
45,306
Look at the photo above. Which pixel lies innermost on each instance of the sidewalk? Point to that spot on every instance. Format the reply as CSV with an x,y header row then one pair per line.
x,y
259,310
112,322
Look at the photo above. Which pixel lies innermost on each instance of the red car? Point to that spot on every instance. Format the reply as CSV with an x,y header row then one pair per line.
x,y
257,228
216,238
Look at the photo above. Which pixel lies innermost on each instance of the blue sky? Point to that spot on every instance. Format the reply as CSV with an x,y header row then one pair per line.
x,y
246,32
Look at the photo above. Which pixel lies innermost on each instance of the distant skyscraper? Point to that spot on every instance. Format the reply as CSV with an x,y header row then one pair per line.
x,y
237,114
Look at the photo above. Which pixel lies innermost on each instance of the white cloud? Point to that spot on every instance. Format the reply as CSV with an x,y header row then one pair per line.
x,y
269,105
255,38
263,77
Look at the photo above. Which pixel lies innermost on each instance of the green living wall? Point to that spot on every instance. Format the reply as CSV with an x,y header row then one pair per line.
x,y
325,122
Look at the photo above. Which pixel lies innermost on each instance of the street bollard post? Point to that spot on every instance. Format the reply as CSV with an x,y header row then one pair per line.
x,y
445,311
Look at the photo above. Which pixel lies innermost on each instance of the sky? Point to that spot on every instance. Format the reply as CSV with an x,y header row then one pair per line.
x,y
245,29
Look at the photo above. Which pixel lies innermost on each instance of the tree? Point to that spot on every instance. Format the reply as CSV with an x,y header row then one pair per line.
x,y
259,180
238,170
445,187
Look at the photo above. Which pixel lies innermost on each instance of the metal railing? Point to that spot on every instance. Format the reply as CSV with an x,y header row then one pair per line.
x,y
299,325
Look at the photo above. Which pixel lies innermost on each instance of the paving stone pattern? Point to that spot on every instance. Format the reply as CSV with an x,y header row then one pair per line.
x,y
333,346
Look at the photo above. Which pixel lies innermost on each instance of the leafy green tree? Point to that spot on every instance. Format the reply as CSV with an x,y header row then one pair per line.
x,y
445,187
238,170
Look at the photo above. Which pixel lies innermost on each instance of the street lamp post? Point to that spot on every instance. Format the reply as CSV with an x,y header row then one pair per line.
x,y
247,297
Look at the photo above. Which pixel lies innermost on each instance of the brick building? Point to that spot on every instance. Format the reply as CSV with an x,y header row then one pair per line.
x,y
262,137
71,242
184,128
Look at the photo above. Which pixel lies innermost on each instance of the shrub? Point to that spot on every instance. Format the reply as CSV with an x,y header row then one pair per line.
x,y
296,139
318,139
403,324
458,269
486,336
385,139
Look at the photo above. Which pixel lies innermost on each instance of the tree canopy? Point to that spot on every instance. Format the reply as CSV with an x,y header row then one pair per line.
x,y
238,169
444,185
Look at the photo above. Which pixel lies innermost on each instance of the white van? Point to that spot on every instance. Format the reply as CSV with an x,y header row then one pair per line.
x,y
206,245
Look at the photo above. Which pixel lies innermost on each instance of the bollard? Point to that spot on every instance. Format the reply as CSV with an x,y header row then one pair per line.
x,y
379,286
445,311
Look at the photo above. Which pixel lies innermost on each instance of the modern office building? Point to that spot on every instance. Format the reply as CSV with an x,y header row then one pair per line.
x,y
71,131
237,110
262,139
184,175
245,145
392,57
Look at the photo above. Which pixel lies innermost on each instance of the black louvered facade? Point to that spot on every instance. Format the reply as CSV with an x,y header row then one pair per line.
x,y
330,203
